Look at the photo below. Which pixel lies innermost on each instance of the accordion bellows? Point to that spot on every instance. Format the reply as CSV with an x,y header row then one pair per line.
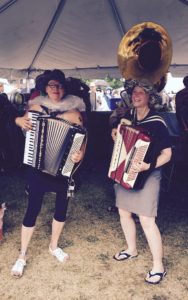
x,y
51,142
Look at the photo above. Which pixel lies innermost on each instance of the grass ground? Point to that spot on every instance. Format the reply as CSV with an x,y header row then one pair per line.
x,y
92,235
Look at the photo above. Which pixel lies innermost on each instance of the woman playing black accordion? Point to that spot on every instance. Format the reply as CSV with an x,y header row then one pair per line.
x,y
68,107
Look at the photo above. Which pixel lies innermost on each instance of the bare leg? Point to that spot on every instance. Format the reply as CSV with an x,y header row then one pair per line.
x,y
129,230
153,237
26,234
2,211
57,228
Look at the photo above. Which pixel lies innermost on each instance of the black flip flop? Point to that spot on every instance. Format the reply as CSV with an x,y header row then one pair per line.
x,y
161,276
122,255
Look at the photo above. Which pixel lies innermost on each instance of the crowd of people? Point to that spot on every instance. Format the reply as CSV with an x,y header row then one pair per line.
x,y
69,99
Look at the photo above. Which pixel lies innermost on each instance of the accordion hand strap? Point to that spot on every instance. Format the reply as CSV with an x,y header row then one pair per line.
x,y
71,183
71,188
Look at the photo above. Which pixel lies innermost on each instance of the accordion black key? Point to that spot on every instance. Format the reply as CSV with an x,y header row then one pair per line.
x,y
50,144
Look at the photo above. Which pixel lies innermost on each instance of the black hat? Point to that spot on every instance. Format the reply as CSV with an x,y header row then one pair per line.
x,y
54,75
40,79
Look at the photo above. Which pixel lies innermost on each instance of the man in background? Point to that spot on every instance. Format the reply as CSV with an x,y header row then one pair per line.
x,y
181,102
1,87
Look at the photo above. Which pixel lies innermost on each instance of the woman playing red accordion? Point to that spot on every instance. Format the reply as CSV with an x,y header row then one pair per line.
x,y
144,202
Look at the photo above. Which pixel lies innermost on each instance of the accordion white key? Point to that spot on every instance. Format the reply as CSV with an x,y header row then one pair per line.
x,y
50,144
131,144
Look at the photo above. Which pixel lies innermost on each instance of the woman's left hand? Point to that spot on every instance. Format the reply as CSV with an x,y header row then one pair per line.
x,y
24,122
77,156
140,167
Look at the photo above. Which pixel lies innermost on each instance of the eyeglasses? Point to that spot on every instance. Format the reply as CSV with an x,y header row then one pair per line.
x,y
55,86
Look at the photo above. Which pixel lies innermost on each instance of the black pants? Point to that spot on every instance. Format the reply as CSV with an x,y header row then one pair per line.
x,y
39,184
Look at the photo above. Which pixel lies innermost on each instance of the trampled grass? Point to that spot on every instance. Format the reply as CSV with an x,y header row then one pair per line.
x,y
91,236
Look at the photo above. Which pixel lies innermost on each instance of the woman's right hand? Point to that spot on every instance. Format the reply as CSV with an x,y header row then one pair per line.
x,y
24,122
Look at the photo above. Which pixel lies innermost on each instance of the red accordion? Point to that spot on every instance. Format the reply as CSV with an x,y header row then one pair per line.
x,y
131,144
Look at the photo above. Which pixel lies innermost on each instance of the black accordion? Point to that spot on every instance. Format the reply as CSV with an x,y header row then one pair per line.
x,y
50,144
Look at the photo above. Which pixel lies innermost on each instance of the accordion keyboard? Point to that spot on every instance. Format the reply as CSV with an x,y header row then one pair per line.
x,y
29,153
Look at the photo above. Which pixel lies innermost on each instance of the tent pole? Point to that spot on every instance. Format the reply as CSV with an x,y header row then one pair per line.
x,y
49,30
117,17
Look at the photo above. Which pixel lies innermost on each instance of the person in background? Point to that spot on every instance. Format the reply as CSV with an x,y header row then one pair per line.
x,y
108,95
117,114
92,92
144,202
78,88
54,101
101,102
181,103
165,100
11,145
121,108
11,137
1,87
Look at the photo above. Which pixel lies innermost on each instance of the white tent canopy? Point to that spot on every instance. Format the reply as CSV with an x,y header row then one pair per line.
x,y
81,37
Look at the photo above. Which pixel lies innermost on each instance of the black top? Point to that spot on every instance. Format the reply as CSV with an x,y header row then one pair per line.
x,y
182,108
11,136
156,127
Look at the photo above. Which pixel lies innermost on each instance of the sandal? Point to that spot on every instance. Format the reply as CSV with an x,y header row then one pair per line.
x,y
159,275
123,256
59,254
18,268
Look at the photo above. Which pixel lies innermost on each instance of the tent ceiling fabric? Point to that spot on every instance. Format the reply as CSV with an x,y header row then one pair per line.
x,y
84,37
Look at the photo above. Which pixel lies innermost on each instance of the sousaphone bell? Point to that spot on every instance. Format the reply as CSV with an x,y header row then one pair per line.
x,y
146,52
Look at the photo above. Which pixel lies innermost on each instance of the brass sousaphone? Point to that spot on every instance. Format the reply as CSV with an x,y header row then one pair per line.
x,y
146,52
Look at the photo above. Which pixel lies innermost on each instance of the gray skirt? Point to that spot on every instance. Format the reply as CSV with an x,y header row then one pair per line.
x,y
142,202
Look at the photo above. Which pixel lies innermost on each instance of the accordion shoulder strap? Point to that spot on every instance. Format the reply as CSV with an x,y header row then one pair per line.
x,y
45,109
152,118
